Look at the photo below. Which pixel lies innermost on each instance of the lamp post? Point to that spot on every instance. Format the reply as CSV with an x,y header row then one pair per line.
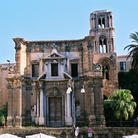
x,y
9,62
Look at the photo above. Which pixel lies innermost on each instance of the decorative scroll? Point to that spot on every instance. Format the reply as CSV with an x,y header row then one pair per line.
x,y
97,67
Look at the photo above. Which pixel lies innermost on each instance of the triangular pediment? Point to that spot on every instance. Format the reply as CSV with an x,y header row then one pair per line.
x,y
55,56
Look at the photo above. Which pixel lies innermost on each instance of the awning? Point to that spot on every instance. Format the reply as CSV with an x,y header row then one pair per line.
x,y
40,136
8,136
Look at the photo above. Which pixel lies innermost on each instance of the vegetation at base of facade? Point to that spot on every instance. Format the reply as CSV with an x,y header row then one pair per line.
x,y
133,50
120,104
129,80
3,115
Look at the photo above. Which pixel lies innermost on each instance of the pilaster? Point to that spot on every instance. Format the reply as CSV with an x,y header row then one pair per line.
x,y
15,103
68,119
41,115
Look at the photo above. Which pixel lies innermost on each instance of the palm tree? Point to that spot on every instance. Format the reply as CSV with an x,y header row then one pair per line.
x,y
121,102
133,50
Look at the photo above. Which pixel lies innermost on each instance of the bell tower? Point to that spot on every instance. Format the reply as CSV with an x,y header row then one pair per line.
x,y
101,26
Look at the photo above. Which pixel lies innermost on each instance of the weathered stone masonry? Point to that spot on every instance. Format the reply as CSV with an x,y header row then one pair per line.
x,y
46,85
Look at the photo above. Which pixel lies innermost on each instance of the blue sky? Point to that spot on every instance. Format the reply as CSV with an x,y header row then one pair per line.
x,y
60,20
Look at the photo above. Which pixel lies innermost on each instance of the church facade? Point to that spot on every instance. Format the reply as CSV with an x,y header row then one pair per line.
x,y
63,82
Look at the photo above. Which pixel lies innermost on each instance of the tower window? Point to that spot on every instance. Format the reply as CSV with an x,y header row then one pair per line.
x,y
35,70
54,69
74,70
103,23
102,44
112,44
122,65
99,23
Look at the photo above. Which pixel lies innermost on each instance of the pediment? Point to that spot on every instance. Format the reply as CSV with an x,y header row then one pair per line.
x,y
55,56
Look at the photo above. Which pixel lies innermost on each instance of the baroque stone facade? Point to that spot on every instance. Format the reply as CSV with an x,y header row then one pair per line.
x,y
61,83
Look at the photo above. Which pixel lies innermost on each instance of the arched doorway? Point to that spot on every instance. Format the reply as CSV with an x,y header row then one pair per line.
x,y
107,68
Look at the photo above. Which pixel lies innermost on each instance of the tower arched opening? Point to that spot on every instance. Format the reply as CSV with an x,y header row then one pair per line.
x,y
102,44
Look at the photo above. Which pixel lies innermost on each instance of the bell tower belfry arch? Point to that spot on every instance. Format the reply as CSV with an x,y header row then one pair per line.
x,y
101,26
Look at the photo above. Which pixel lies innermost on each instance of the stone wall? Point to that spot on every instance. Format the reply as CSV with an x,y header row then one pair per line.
x,y
67,132
3,83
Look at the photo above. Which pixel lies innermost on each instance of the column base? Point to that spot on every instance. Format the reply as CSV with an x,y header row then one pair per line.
x,y
37,120
68,121
14,122
92,120
18,122
41,120
9,121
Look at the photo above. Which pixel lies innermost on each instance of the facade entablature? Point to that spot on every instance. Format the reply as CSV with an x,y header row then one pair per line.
x,y
45,46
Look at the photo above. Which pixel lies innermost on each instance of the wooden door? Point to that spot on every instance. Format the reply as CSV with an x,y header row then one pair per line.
x,y
55,111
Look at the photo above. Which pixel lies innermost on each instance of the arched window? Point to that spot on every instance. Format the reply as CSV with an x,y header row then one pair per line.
x,y
99,23
102,44
103,23
112,44
111,21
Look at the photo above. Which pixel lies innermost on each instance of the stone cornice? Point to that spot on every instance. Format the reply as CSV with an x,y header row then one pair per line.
x,y
50,42
18,41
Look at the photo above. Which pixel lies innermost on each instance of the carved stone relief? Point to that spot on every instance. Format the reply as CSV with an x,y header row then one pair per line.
x,y
97,67
54,92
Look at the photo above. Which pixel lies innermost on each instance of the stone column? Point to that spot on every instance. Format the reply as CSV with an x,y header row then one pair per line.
x,y
68,119
10,103
99,109
41,117
16,109
68,105
37,110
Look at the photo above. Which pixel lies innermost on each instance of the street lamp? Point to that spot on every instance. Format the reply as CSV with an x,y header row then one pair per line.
x,y
9,62
82,89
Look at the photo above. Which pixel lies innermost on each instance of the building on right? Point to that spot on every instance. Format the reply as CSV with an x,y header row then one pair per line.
x,y
123,64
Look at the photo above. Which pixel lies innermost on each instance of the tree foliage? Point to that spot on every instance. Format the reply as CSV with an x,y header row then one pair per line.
x,y
3,114
129,80
133,50
2,119
122,103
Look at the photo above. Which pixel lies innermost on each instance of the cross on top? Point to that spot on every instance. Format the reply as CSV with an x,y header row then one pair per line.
x,y
54,48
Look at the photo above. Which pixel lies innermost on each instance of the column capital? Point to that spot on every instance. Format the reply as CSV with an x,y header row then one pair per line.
x,y
40,85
